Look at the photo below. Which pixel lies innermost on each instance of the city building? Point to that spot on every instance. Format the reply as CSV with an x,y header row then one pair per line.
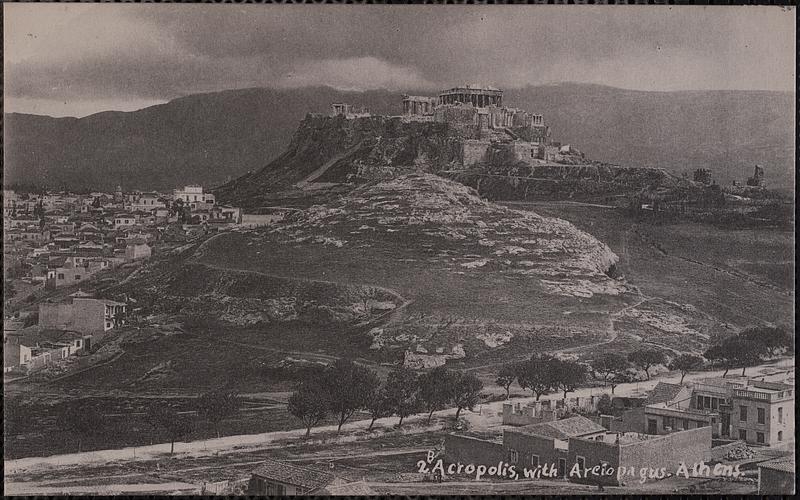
x,y
578,443
547,411
124,220
137,251
777,477
759,413
192,195
145,202
34,348
629,453
82,314
548,442
274,478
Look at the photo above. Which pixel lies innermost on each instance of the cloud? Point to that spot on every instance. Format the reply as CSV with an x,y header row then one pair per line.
x,y
129,52
355,73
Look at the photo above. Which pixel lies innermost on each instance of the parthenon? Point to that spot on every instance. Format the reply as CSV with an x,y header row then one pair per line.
x,y
478,95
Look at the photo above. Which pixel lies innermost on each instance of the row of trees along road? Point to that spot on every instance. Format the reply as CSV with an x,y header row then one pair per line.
x,y
543,373
86,422
749,347
344,388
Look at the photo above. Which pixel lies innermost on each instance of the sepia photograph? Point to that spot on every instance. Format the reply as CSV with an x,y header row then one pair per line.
x,y
371,250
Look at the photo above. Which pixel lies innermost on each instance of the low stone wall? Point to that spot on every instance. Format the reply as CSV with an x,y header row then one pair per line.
x,y
470,450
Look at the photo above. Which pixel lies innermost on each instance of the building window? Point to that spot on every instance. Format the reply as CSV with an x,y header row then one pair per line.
x,y
581,462
743,434
714,402
514,456
743,413
780,435
780,415
685,423
535,460
762,415
699,402
61,276
77,277
760,437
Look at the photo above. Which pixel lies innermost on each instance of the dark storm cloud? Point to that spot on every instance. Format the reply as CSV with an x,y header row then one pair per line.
x,y
159,52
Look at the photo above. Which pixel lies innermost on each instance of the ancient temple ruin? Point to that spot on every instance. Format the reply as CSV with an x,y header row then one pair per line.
x,y
349,111
489,131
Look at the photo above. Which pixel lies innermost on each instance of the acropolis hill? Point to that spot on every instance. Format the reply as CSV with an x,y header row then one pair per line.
x,y
466,133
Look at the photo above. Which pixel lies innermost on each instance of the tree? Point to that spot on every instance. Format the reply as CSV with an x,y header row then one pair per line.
x,y
686,363
610,368
506,376
567,375
349,387
744,351
217,405
738,351
378,405
310,404
401,390
536,374
604,405
717,355
85,422
646,359
162,415
436,389
466,391
176,208
774,340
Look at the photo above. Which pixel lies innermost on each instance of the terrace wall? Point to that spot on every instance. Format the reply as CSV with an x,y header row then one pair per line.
x,y
470,450
668,451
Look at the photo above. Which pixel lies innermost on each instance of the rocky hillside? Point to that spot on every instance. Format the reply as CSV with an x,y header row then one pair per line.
x,y
479,280
337,150
429,211
333,150
193,290
209,138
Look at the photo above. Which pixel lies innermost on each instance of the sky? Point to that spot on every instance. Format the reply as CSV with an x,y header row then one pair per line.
x,y
78,59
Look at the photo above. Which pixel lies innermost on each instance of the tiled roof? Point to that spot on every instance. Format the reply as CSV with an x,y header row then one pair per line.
x,y
54,335
662,393
563,429
785,464
283,472
359,488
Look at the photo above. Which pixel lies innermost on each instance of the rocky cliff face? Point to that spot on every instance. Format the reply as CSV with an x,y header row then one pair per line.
x,y
337,150
348,152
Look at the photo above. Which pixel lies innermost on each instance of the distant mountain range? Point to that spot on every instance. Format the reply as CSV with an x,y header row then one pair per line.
x,y
211,138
